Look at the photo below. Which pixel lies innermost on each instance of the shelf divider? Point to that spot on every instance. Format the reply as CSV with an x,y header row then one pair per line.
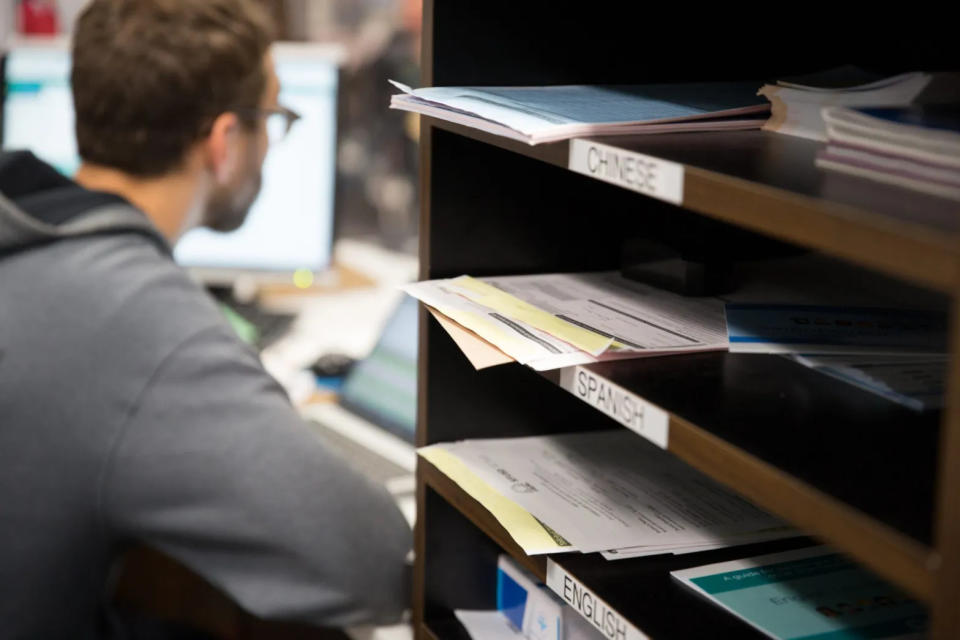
x,y
768,183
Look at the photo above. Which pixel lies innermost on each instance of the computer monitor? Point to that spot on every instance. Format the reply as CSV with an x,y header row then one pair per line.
x,y
288,235
38,106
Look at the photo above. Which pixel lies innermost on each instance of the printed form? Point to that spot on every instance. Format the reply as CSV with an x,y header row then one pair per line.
x,y
611,490
637,317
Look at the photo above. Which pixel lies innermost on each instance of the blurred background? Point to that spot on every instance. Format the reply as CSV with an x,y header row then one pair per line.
x,y
376,158
311,280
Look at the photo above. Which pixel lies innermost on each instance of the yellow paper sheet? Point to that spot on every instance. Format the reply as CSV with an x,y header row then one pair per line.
x,y
512,307
526,530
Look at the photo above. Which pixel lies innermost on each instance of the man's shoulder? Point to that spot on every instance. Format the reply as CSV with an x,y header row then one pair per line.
x,y
148,290
119,288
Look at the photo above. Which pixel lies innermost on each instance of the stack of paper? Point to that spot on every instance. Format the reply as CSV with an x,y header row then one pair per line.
x,y
557,320
898,354
549,321
916,147
606,491
835,330
806,594
487,625
915,382
547,114
796,106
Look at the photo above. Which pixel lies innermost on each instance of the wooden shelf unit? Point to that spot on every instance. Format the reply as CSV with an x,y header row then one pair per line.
x,y
872,478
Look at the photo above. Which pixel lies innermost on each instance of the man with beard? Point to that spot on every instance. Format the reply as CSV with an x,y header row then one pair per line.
x,y
129,412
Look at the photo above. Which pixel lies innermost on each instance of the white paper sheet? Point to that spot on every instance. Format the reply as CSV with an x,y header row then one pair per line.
x,y
610,489
549,113
521,342
524,343
640,317
641,552
913,382
487,625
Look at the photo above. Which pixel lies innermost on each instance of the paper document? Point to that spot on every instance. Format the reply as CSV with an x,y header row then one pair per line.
x,y
796,110
635,316
766,535
809,329
915,382
610,489
532,536
487,625
916,147
809,594
524,343
550,113
514,307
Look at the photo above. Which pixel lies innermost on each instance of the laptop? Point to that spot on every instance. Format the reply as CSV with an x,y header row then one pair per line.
x,y
373,424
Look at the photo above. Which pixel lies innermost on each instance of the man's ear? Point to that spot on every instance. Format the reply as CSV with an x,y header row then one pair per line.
x,y
222,147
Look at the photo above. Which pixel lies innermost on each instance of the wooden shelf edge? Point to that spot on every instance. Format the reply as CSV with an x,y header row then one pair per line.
x,y
479,516
926,257
891,554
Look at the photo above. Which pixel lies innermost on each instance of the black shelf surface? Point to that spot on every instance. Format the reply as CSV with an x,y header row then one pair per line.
x,y
874,455
769,183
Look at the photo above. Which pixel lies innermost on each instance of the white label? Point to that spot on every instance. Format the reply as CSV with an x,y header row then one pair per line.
x,y
610,623
651,176
632,411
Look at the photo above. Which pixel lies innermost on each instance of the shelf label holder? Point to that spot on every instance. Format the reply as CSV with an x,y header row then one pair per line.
x,y
597,612
630,410
650,176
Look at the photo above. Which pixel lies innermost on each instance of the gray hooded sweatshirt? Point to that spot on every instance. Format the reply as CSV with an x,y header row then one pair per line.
x,y
130,412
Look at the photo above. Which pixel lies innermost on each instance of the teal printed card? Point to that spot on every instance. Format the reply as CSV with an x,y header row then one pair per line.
x,y
809,594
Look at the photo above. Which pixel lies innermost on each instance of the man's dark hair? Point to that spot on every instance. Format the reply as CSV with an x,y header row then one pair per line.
x,y
150,76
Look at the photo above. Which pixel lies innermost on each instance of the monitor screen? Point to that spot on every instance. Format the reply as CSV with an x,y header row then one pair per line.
x,y
290,226
38,108
383,386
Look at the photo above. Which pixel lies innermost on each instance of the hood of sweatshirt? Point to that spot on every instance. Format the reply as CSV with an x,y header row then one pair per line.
x,y
38,206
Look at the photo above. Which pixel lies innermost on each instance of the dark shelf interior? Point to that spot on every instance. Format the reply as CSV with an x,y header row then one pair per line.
x,y
446,629
823,432
919,233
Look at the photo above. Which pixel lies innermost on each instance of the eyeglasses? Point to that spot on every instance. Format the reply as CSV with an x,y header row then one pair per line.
x,y
279,120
